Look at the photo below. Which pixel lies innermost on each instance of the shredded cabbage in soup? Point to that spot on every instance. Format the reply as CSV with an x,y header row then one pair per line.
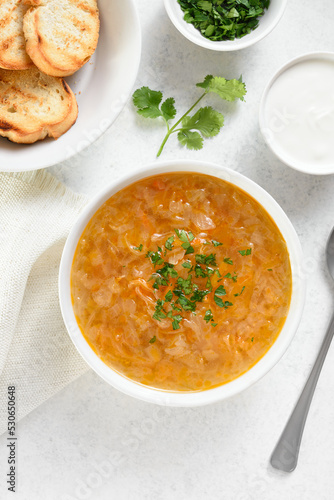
x,y
181,281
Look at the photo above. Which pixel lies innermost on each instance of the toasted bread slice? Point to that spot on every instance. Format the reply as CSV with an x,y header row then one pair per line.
x,y
34,105
13,53
61,35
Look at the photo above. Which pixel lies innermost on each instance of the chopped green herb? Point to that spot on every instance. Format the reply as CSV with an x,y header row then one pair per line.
x,y
220,291
187,264
153,339
216,243
185,303
233,278
252,339
174,307
269,269
224,19
189,250
228,261
138,248
176,321
187,293
191,130
199,295
208,316
207,260
159,313
237,294
248,251
155,258
169,243
199,271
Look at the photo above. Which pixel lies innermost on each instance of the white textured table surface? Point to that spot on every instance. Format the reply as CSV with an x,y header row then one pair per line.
x,y
92,442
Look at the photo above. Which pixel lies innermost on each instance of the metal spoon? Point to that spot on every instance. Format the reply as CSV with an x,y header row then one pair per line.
x,y
285,455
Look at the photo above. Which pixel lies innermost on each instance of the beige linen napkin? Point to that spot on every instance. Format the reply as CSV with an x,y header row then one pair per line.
x,y
36,354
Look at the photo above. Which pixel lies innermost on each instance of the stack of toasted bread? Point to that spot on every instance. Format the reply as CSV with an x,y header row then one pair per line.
x,y
42,41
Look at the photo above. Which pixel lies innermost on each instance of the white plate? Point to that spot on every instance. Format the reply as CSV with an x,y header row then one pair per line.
x,y
102,88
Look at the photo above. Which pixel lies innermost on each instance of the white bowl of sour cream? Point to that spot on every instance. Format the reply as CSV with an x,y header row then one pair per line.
x,y
297,113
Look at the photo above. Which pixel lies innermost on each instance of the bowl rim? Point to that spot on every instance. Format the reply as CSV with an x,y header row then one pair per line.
x,y
188,31
185,399
265,130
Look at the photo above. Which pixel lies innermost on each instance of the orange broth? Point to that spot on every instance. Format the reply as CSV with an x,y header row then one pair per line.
x,y
113,275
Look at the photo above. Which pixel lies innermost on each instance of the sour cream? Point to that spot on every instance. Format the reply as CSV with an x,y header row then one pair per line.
x,y
298,114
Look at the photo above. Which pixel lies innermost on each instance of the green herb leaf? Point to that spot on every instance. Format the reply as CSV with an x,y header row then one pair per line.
x,y
228,261
153,339
237,294
155,258
176,321
138,248
229,90
168,109
169,296
147,101
208,316
190,249
220,291
187,264
206,120
159,312
192,140
216,243
169,243
248,251
207,260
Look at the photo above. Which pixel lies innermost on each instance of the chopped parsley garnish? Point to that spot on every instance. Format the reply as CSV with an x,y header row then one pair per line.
x,y
169,243
269,269
207,260
153,339
185,293
220,20
233,278
248,251
138,248
176,321
208,316
155,257
237,294
159,312
186,238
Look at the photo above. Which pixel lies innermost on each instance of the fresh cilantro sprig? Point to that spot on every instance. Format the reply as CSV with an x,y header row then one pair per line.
x,y
205,122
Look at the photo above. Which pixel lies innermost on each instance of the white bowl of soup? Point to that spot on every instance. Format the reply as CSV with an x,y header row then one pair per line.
x,y
182,284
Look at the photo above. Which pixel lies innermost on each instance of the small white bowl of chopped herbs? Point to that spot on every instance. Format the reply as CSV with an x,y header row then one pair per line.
x,y
225,25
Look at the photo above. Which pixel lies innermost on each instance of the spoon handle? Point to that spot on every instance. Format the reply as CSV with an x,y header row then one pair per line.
x,y
285,455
